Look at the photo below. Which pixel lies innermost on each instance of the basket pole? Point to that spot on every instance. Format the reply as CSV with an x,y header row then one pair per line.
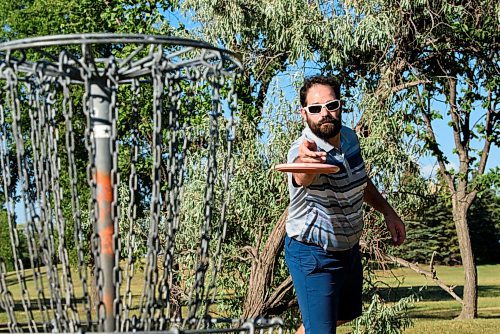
x,y
101,129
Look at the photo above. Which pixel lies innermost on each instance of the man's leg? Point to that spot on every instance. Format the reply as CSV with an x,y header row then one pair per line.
x,y
351,294
317,278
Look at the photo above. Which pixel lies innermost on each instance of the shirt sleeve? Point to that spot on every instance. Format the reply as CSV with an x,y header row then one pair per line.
x,y
293,153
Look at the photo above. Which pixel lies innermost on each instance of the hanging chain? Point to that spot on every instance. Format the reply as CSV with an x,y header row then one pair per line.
x,y
13,104
35,177
90,145
33,223
203,260
224,197
131,241
148,299
7,301
75,200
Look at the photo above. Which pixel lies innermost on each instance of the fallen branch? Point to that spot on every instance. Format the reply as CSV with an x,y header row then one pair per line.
x,y
278,295
431,274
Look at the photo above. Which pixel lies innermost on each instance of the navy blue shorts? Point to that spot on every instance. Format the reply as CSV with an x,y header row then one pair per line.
x,y
328,284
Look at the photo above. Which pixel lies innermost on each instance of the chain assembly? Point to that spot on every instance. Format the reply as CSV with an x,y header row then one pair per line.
x,y
122,123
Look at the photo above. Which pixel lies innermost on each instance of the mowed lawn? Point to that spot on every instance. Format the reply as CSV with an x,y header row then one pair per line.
x,y
433,313
436,310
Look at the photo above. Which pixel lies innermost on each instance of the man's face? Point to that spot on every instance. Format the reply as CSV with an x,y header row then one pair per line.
x,y
326,124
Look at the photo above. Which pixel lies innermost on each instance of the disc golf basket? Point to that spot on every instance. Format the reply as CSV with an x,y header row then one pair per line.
x,y
99,136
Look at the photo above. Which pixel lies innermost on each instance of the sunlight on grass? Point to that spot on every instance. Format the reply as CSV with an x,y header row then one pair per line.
x,y
436,310
433,313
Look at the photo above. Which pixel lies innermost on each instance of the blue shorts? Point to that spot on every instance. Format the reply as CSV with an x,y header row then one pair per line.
x,y
328,284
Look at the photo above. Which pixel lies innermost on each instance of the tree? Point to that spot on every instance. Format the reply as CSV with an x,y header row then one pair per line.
x,y
5,244
449,50
401,55
272,37
432,230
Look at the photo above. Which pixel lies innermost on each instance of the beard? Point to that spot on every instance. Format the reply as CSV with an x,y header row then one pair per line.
x,y
328,127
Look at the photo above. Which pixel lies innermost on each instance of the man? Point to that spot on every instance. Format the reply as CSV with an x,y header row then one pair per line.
x,y
325,218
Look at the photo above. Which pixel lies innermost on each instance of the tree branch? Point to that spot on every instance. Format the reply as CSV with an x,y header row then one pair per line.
x,y
408,85
490,122
433,145
455,117
262,270
278,296
272,66
431,274
488,132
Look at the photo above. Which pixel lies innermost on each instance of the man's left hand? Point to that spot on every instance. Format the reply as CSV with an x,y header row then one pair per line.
x,y
396,228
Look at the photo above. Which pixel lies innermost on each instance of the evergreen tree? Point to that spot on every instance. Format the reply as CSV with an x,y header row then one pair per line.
x,y
5,244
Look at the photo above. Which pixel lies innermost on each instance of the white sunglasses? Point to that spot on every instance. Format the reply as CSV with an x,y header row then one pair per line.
x,y
316,108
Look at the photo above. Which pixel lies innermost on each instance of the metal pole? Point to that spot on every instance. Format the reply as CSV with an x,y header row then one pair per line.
x,y
101,126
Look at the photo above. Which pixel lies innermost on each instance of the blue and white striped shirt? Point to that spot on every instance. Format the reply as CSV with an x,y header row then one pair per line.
x,y
329,212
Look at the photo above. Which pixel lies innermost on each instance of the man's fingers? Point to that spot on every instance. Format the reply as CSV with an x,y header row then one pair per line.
x,y
313,159
398,233
310,144
401,233
393,232
308,153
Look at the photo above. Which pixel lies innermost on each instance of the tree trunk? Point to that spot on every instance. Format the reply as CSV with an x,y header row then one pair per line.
x,y
261,275
460,209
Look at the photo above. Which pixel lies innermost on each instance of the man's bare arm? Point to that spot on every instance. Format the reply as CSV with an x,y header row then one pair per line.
x,y
394,224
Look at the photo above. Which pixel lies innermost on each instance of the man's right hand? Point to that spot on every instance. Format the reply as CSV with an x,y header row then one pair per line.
x,y
308,153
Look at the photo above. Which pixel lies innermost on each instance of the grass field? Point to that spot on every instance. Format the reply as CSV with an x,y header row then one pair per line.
x,y
433,313
436,310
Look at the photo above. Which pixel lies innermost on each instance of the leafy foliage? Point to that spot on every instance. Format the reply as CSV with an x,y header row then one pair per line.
x,y
5,244
381,318
27,18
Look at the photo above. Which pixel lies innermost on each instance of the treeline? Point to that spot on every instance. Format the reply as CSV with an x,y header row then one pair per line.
x,y
433,231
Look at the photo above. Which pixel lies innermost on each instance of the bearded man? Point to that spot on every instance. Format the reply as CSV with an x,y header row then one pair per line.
x,y
325,218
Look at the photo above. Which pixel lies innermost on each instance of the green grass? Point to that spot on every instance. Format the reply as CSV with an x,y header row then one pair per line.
x,y
436,310
433,313
16,290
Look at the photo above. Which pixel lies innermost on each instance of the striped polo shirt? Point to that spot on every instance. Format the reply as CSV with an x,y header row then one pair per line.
x,y
329,212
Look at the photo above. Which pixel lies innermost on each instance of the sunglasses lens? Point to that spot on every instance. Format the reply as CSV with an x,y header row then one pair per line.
x,y
314,109
331,106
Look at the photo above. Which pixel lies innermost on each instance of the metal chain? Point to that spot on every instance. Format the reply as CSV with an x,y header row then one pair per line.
x,y
41,155
45,99
126,324
203,262
33,223
225,198
73,179
148,299
13,103
88,110
6,298
169,285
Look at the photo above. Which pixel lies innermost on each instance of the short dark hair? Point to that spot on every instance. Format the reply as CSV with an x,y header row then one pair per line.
x,y
318,80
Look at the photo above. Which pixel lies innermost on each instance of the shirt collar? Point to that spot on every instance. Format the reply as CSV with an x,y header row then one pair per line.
x,y
322,144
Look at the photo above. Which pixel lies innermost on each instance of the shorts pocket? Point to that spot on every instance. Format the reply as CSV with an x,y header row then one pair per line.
x,y
301,257
317,229
308,261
